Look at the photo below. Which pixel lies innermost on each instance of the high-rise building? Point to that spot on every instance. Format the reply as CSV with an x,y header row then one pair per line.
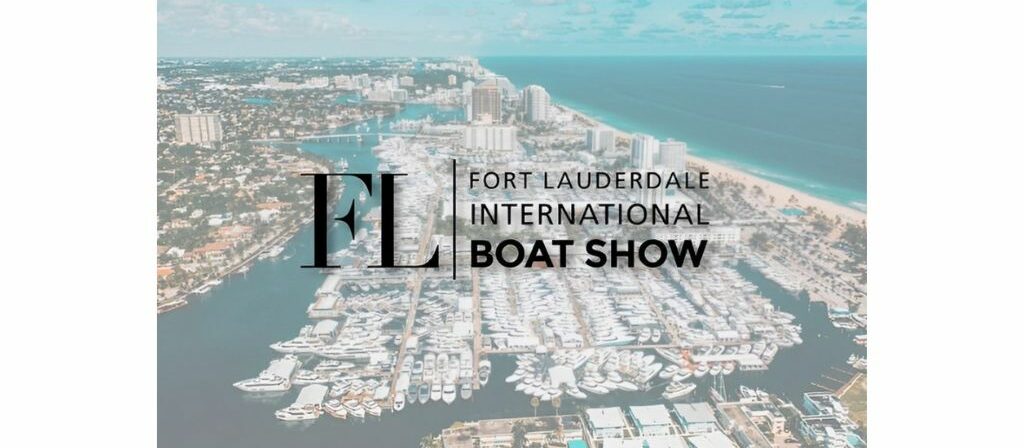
x,y
486,101
672,155
651,196
645,151
535,103
406,81
197,128
490,137
452,80
467,96
600,139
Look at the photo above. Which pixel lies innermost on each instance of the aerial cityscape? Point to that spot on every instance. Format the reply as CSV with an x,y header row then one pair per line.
x,y
761,344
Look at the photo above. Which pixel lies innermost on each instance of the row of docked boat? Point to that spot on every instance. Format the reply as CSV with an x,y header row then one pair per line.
x,y
577,373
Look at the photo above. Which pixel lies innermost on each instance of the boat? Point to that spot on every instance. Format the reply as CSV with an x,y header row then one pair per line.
x,y
645,335
264,383
466,391
700,371
423,396
676,390
371,407
728,368
275,378
681,376
354,408
715,369
448,393
308,405
305,342
485,371
335,409
627,386
305,377
294,413
575,392
338,389
399,402
655,335
668,372
435,392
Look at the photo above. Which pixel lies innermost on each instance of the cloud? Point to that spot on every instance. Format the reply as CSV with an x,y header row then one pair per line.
x,y
216,18
852,23
582,9
623,16
742,15
638,4
731,4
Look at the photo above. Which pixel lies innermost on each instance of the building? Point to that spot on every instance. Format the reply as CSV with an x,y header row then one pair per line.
x,y
600,139
645,151
485,103
652,420
696,418
406,81
197,128
536,102
672,155
607,423
715,439
651,196
490,137
452,80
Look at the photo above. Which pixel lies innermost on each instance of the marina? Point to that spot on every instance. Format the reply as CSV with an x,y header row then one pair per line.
x,y
350,349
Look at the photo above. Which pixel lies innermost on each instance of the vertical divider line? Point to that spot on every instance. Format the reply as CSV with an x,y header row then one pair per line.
x,y
454,221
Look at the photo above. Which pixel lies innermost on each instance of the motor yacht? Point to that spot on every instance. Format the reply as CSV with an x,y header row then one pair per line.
x,y
676,390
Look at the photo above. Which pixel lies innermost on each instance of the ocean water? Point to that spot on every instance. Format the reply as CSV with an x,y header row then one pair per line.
x,y
798,121
223,336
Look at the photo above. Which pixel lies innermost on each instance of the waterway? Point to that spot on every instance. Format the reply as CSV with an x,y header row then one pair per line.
x,y
223,337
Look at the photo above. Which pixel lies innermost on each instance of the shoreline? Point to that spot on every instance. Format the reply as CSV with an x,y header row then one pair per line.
x,y
782,193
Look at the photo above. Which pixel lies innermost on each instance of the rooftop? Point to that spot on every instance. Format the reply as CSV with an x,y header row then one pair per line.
x,y
654,415
600,418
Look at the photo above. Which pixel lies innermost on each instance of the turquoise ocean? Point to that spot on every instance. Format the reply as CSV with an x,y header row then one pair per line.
x,y
798,121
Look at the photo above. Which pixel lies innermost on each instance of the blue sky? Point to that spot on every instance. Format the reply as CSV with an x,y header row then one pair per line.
x,y
243,28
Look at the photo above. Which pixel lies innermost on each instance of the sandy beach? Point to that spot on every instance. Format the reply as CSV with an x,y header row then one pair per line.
x,y
781,193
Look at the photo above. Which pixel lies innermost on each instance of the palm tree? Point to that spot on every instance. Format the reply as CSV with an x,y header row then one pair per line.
x,y
535,402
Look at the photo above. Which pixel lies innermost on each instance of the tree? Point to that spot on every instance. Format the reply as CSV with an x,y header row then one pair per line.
x,y
535,402
428,441
518,434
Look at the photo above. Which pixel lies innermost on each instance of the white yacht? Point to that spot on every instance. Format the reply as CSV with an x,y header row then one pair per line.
x,y
435,392
294,414
276,378
448,393
676,390
306,342
354,408
372,407
307,406
399,402
466,391
485,371
335,409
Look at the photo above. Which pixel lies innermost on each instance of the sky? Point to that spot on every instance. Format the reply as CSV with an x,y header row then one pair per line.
x,y
325,28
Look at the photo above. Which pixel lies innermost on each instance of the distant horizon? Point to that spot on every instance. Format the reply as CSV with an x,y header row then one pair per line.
x,y
680,55
278,28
